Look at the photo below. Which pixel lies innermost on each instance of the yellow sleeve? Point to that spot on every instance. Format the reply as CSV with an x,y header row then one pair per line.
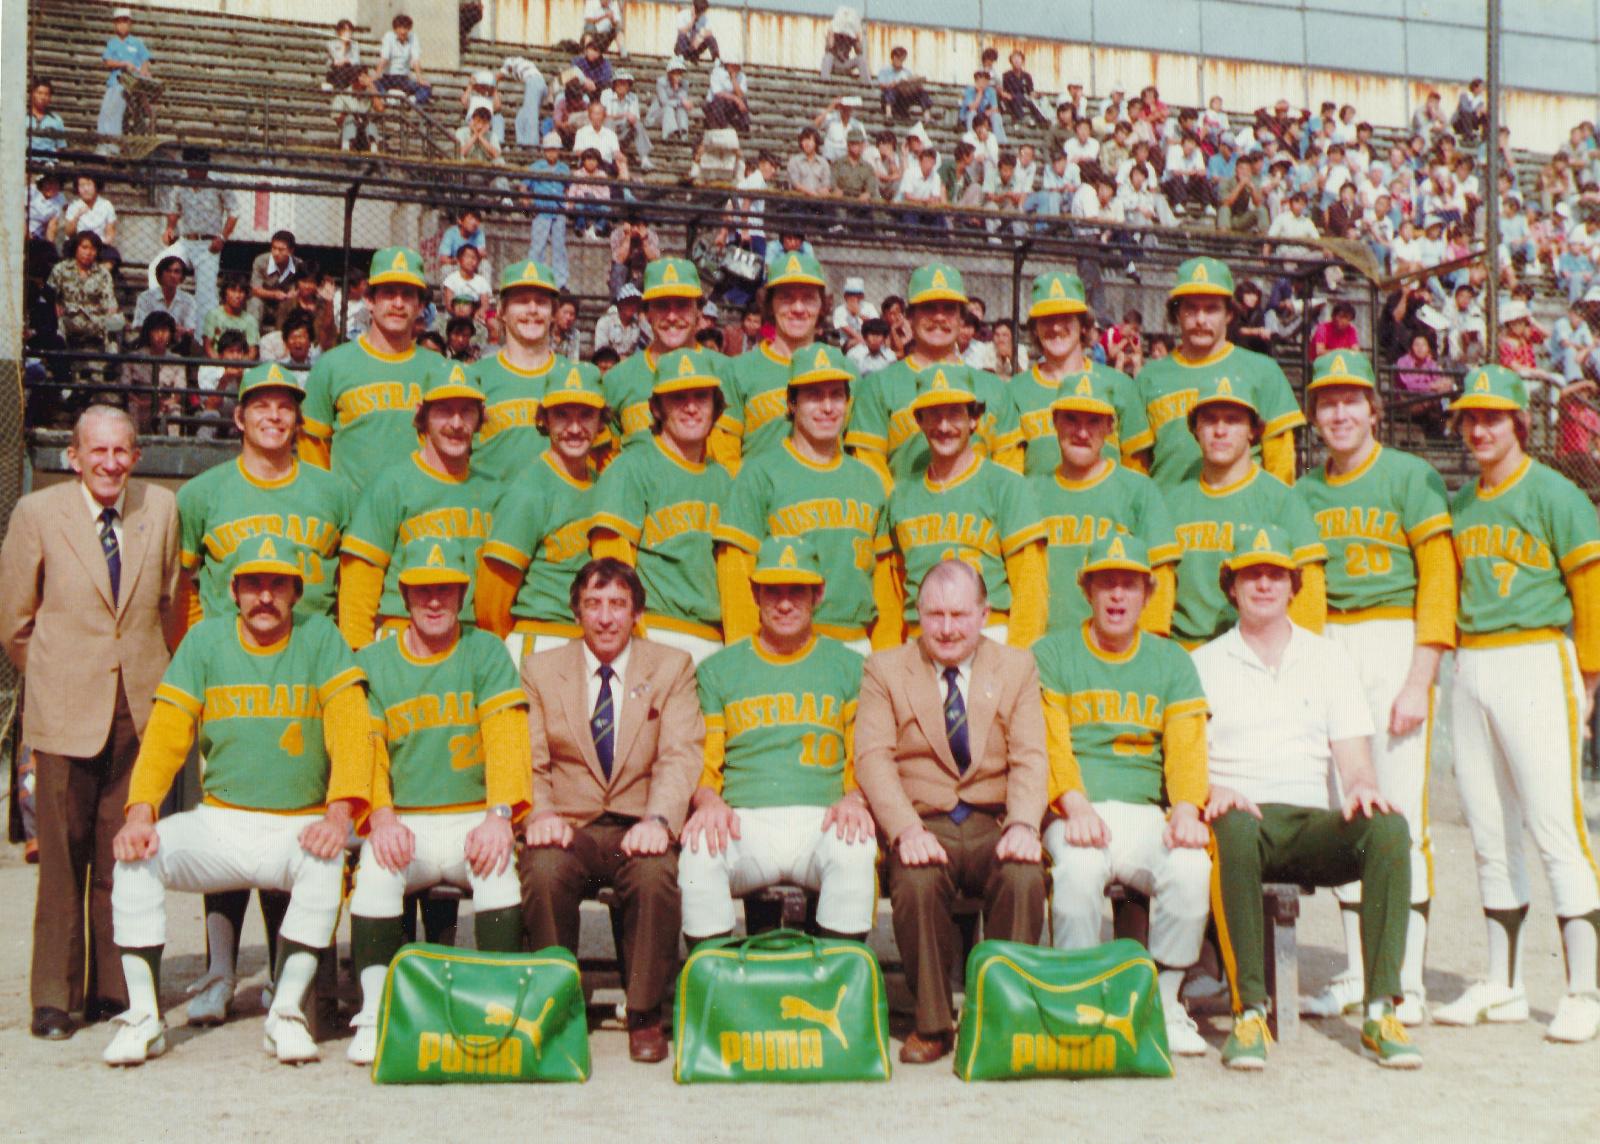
x,y
360,590
1309,608
1277,456
1012,456
508,759
1065,777
850,783
1157,615
167,739
715,752
878,462
497,588
1583,584
382,789
1436,591
188,609
739,615
1183,746
316,451
1139,462
889,594
603,542
1030,594
725,448
347,733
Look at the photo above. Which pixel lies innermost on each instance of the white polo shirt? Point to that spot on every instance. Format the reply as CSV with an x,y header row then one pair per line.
x,y
1270,730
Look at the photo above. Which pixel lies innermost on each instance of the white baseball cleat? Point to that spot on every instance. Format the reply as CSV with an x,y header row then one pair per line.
x,y
1183,1035
1484,1002
138,1037
1343,995
287,1037
363,1047
1577,1019
1413,1009
212,999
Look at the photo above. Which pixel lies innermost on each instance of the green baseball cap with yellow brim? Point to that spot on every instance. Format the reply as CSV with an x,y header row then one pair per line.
x,y
936,282
683,370
397,264
454,383
1268,544
818,363
578,384
949,384
787,560
671,278
530,273
1342,367
1116,552
268,555
270,375
1225,391
1056,292
425,562
1085,395
1203,276
1492,387
796,268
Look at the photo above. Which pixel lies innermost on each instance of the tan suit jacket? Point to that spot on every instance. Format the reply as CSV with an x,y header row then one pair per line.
x,y
903,760
660,740
58,623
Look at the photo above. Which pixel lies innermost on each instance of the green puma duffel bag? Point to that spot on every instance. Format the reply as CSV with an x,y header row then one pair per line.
x,y
455,1015
781,1006
1038,1012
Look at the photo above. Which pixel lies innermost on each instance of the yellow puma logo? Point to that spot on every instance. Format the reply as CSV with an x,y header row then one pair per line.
x,y
1090,1015
799,1009
496,1014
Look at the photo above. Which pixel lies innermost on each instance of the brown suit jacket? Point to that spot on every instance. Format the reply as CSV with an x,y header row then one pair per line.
x,y
660,741
57,621
903,760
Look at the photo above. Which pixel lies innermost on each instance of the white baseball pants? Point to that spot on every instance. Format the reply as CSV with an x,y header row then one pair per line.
x,y
439,857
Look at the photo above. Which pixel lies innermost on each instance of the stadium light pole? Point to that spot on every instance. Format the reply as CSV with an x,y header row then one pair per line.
x,y
1491,203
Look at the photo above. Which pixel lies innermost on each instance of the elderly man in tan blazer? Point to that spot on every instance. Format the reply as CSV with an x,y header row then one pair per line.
x,y
617,749
951,754
88,577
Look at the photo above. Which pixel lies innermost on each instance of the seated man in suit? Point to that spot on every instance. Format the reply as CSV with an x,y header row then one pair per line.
x,y
616,750
950,752
777,800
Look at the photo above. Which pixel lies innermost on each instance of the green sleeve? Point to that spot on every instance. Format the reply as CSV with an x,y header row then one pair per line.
x,y
1298,522
518,527
495,680
620,500
744,523
1018,514
375,522
1183,680
317,408
869,417
1572,525
336,663
709,692
1152,524
1425,506
1133,423
1279,409
1005,424
184,682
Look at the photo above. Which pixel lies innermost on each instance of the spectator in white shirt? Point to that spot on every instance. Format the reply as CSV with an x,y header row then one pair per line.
x,y
839,125
603,23
851,316
694,33
985,147
1294,222
1139,157
672,103
1186,180
596,135
1083,149
1143,204
623,117
873,353
466,278
95,213
727,96
400,62
845,48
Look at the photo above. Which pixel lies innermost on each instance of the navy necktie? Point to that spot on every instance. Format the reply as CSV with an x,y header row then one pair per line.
x,y
603,723
955,729
108,545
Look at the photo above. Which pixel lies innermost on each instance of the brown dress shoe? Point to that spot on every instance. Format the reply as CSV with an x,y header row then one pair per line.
x,y
925,1048
648,1044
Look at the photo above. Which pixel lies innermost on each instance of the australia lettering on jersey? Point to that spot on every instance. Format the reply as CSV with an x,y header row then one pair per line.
x,y
1068,530
567,542
446,524
378,397
518,413
308,531
1502,543
829,512
636,418
961,528
452,709
1206,536
1369,523
262,701
765,407
1171,407
1103,705
783,710
674,520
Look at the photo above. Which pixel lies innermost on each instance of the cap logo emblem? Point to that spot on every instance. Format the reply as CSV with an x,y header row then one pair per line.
x,y
1116,551
1199,273
1056,290
670,274
938,279
530,273
1263,541
435,557
787,560
1338,365
267,550
821,360
793,266
399,262
1480,384
574,379
686,366
1085,387
1225,387
939,381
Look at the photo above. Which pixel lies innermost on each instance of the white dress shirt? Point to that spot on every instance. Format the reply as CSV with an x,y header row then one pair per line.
x,y
591,664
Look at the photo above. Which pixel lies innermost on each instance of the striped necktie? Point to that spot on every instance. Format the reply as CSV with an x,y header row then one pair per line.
x,y
955,729
108,545
603,724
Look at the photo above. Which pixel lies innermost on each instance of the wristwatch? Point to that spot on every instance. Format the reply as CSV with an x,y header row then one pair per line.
x,y
658,818
501,810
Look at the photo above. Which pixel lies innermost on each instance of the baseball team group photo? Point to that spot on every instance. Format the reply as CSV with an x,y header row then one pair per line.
x,y
1108,607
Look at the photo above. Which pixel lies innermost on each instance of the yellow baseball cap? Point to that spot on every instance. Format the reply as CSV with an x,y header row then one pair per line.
x,y
1492,387
936,282
270,375
579,385
1203,276
453,384
268,555
1118,551
397,264
1086,395
671,278
787,560
424,562
683,370
1269,544
1056,292
818,363
944,385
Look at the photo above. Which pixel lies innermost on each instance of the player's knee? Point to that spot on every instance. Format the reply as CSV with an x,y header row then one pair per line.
x,y
1016,881
653,874
1389,836
911,887
1238,832
1077,873
1187,878
546,866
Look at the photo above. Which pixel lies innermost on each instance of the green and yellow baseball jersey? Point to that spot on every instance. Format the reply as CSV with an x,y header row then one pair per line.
x,y
541,528
411,501
260,710
788,722
509,437
1118,706
1516,545
629,384
363,402
982,516
429,712
759,391
225,506
668,509
1077,513
1206,520
1032,394
1170,386
1370,520
839,508
881,417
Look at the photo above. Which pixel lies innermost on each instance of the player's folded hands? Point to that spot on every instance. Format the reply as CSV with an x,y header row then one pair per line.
x,y
489,846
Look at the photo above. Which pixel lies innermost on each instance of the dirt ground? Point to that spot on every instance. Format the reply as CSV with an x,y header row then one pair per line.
x,y
1477,1083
